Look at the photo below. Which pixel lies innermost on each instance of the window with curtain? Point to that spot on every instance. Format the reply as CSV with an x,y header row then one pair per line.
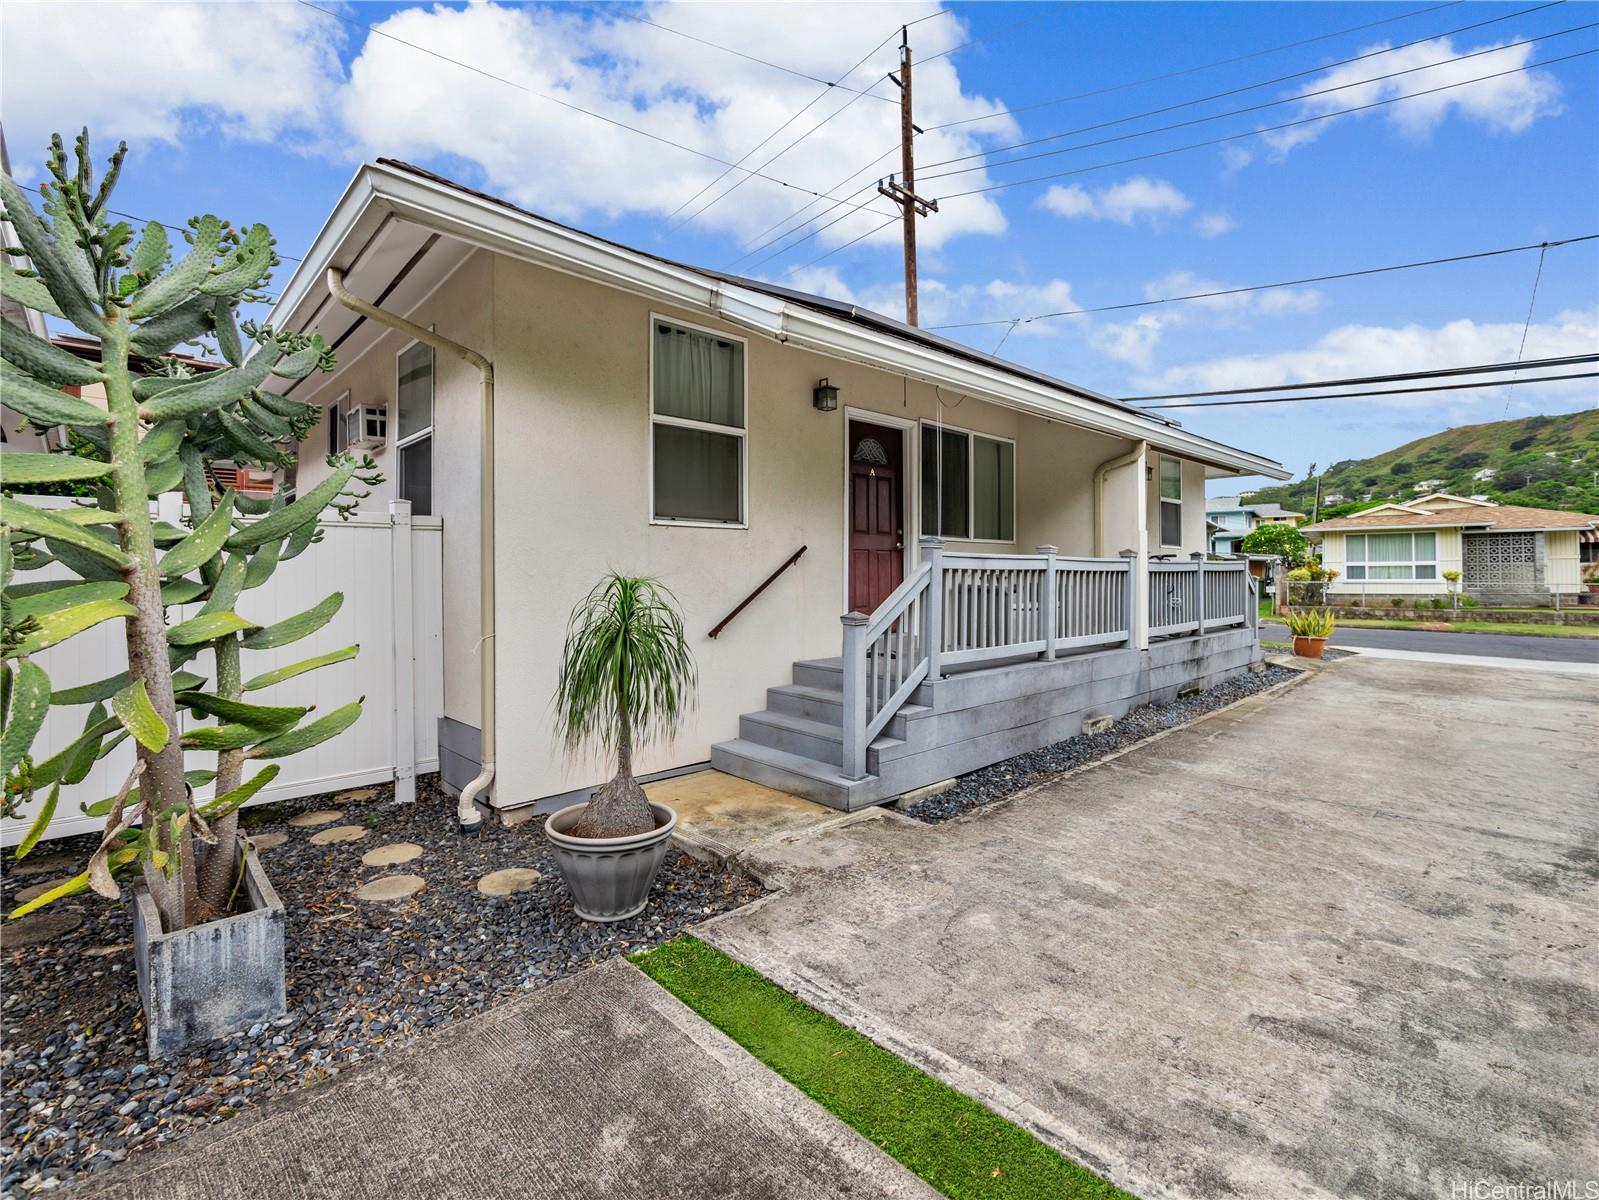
x,y
968,485
697,427
1391,555
414,426
1171,502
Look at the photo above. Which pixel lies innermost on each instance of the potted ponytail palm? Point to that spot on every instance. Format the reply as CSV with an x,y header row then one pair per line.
x,y
626,678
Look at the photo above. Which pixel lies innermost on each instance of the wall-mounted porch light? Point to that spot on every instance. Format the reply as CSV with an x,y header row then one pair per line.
x,y
825,397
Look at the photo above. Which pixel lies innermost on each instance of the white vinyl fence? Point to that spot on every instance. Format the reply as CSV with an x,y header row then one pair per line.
x,y
388,566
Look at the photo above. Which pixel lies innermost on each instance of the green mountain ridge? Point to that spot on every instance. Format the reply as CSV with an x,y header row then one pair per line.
x,y
1540,462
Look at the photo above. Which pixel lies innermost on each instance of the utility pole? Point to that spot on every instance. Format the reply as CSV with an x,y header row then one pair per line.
x,y
903,191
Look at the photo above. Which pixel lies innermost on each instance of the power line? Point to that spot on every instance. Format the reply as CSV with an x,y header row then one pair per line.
x,y
722,196
755,245
1569,360
654,137
994,187
178,229
1443,387
1322,37
1531,304
827,84
1270,82
1261,287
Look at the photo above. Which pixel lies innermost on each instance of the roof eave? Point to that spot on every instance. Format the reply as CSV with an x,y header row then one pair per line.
x,y
379,191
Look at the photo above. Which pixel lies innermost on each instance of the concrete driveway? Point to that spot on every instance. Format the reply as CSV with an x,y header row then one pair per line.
x,y
1336,941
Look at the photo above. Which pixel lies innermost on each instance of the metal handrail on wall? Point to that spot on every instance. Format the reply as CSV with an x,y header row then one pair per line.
x,y
759,588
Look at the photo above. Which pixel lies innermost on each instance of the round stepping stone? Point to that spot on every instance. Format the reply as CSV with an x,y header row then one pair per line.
x,y
358,795
390,887
37,890
391,855
339,833
508,881
38,927
310,820
266,841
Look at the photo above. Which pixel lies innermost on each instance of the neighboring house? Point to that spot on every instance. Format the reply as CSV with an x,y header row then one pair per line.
x,y
1236,517
1426,485
779,460
1334,498
1484,475
1505,553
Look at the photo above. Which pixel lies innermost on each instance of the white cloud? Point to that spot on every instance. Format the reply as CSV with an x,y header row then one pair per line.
x,y
1357,350
1507,105
1125,202
254,71
1209,225
554,160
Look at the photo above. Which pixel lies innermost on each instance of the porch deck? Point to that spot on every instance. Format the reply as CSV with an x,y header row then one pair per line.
x,y
1029,648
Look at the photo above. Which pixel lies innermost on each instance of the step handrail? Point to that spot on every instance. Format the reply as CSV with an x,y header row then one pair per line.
x,y
885,660
761,587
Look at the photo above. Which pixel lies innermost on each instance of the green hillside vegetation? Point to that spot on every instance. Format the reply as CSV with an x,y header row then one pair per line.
x,y
1541,462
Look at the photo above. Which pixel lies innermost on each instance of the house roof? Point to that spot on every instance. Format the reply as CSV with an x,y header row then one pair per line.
x,y
1491,517
392,196
1272,510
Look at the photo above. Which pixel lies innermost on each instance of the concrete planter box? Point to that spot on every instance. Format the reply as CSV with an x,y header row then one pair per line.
x,y
610,878
200,983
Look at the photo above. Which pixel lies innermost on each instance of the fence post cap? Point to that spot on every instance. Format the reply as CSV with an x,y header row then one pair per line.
x,y
1047,550
1127,554
854,618
928,542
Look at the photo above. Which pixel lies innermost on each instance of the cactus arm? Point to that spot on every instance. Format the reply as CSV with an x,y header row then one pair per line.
x,y
163,785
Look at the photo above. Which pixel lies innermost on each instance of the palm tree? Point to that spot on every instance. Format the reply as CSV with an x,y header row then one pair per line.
x,y
627,677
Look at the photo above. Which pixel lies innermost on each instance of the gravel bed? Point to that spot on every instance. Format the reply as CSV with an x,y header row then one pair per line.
x,y
1011,776
79,1092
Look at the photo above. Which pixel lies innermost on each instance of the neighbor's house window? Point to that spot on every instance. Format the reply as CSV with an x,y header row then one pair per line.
x,y
336,411
968,485
1171,502
414,427
697,427
1391,556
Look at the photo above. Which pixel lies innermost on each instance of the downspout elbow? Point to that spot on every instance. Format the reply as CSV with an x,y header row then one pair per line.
x,y
466,806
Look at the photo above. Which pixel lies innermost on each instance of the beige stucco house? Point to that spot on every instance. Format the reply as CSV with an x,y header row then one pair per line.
x,y
722,433
1505,553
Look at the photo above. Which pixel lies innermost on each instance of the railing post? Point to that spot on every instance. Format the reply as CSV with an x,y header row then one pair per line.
x,y
1049,618
933,606
1199,590
401,598
1252,606
1130,557
854,765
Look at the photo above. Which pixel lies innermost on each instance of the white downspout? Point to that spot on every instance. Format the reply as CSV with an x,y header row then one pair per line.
x,y
1104,468
466,808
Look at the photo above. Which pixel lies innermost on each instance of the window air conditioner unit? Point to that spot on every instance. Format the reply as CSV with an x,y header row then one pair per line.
x,y
366,427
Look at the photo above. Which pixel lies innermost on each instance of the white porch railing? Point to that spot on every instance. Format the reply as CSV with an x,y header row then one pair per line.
x,y
1197,596
960,609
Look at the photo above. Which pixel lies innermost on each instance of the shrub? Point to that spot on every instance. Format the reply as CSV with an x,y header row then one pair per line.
x,y
1358,602
1439,602
1282,540
1469,602
1397,602
1299,575
1309,622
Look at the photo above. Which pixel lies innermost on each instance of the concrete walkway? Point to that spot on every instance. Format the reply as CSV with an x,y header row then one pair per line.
x,y
1532,647
1339,941
602,1085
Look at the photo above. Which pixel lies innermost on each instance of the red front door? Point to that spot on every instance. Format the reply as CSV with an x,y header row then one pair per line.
x,y
876,514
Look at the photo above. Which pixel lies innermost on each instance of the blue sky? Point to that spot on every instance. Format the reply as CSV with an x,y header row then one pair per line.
x,y
262,112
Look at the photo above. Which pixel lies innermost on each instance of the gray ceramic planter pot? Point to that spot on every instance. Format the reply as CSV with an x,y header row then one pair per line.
x,y
610,878
199,983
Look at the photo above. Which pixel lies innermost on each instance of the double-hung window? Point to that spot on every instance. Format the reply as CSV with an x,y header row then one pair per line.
x,y
1391,555
968,485
336,432
414,426
697,426
1171,502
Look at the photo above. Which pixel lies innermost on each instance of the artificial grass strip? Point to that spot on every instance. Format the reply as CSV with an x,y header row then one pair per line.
x,y
954,1143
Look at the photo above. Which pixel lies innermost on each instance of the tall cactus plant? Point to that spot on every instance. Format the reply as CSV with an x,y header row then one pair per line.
x,y
162,427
